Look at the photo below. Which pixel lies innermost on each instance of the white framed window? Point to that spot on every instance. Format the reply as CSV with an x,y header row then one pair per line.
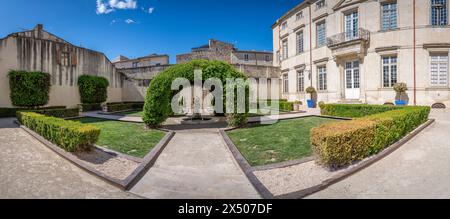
x,y
320,4
439,12
390,71
267,58
322,76
286,83
299,42
284,25
389,15
439,70
246,57
321,34
300,81
299,16
285,49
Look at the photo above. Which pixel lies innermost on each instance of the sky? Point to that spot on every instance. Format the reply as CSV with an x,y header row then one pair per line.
x,y
136,28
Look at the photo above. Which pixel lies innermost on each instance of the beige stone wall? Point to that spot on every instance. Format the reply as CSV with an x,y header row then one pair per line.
x,y
399,40
254,58
143,62
41,51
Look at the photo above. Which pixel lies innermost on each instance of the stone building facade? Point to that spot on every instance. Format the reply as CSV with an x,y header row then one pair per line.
x,y
146,61
39,50
356,50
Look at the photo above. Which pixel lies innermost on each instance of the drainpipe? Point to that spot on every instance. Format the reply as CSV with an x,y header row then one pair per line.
x,y
414,49
310,45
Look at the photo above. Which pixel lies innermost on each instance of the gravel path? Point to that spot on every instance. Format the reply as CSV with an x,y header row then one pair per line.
x,y
28,169
419,169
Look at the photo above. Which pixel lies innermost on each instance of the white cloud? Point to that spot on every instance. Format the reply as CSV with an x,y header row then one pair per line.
x,y
106,7
129,21
150,10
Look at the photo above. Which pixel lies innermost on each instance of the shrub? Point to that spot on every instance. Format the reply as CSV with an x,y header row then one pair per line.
x,y
69,135
86,107
11,112
157,106
29,89
116,107
342,143
93,89
353,110
58,113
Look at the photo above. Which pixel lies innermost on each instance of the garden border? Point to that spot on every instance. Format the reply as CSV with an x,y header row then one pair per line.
x,y
147,162
266,194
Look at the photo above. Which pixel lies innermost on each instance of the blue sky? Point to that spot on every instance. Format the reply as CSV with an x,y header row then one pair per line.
x,y
140,27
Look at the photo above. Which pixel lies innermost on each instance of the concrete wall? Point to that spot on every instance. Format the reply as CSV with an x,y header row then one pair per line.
x,y
397,42
38,50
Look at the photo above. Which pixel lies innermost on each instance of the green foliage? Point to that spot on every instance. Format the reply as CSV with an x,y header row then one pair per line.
x,y
310,90
11,112
354,110
400,88
86,107
69,135
117,107
93,89
157,106
342,143
58,113
29,89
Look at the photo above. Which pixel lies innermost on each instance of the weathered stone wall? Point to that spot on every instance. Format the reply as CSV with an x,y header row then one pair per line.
x,y
38,50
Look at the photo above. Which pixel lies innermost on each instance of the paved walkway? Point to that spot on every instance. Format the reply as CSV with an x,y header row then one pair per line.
x,y
419,169
196,164
29,170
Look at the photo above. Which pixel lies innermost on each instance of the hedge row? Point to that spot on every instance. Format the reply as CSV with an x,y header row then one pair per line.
x,y
354,110
58,113
116,107
86,107
93,89
342,143
283,105
29,89
11,112
69,135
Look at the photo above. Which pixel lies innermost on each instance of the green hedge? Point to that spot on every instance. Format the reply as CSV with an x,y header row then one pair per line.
x,y
116,107
86,107
283,105
159,95
29,89
58,113
93,89
353,110
69,135
11,112
342,143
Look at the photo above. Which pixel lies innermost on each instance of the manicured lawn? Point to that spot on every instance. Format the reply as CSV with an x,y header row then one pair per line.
x,y
284,141
128,138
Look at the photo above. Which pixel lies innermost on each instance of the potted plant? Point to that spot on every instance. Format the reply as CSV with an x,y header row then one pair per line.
x,y
311,91
297,105
400,89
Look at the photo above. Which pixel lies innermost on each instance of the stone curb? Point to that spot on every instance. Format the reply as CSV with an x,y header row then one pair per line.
x,y
126,184
266,194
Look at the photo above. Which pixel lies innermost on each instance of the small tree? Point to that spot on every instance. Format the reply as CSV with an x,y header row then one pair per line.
x,y
311,91
400,89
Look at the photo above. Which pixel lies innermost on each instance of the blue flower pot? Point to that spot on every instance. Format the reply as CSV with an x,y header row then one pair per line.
x,y
400,102
310,103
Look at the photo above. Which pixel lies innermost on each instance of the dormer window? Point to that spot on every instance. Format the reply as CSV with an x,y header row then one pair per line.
x,y
284,26
320,4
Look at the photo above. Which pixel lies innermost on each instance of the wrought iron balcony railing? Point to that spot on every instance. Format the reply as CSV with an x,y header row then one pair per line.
x,y
342,38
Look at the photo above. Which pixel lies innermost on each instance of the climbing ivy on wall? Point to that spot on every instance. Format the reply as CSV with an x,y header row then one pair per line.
x,y
93,89
29,89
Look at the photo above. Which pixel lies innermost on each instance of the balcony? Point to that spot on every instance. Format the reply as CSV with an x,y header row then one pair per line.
x,y
348,43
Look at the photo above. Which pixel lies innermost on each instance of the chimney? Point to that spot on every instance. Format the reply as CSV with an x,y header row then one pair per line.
x,y
38,30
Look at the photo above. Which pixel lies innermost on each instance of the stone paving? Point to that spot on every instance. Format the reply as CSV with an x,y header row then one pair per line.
x,y
420,169
28,169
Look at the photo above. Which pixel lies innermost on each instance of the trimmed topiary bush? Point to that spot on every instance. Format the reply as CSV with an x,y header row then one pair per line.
x,y
117,107
29,89
354,110
157,106
69,135
342,143
93,89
